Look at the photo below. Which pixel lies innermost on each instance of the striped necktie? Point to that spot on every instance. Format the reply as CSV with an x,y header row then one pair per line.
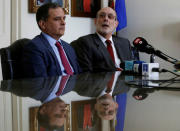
x,y
63,82
64,59
110,50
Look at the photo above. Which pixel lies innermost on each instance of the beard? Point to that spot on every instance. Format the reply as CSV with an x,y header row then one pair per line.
x,y
104,30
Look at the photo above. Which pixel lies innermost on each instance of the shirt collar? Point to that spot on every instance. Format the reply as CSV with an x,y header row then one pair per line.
x,y
50,39
103,39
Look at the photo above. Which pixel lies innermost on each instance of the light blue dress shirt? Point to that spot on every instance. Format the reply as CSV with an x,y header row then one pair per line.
x,y
52,43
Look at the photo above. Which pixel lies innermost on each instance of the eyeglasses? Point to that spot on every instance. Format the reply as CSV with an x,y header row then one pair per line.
x,y
110,16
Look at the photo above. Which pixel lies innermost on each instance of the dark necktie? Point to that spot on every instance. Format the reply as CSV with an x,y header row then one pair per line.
x,y
110,84
62,85
110,50
64,60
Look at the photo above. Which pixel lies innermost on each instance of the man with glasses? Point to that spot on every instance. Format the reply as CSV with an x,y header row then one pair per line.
x,y
102,51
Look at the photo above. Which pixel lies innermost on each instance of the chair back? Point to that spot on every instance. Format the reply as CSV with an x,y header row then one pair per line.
x,y
11,59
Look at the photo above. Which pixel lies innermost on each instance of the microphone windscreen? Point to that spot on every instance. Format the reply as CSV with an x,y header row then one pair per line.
x,y
177,65
134,67
127,65
138,66
142,45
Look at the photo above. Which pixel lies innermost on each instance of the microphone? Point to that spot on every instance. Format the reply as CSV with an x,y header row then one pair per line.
x,y
177,65
142,45
140,68
132,67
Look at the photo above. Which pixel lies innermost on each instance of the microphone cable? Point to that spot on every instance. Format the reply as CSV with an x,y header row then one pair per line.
x,y
160,82
164,70
152,86
168,81
173,60
170,57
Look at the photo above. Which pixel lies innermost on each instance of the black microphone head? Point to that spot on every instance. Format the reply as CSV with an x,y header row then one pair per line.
x,y
139,41
142,45
177,65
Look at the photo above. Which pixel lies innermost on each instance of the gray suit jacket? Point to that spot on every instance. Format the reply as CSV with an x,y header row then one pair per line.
x,y
93,55
92,84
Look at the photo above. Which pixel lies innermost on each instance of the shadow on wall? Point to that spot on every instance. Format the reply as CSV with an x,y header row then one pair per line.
x,y
172,32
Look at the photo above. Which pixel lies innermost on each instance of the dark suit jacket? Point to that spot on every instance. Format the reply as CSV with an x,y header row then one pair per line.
x,y
39,59
92,84
93,55
36,88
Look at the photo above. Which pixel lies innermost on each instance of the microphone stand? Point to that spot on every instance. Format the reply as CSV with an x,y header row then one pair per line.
x,y
152,58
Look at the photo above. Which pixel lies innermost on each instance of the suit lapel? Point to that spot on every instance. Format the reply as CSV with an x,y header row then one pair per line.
x,y
47,45
102,49
120,86
118,48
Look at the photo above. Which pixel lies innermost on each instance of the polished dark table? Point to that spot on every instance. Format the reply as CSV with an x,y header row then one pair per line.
x,y
135,103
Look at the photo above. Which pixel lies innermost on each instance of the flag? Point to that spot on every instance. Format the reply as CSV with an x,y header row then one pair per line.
x,y
121,14
120,116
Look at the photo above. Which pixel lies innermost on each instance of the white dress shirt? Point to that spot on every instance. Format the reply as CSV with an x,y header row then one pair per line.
x,y
117,60
116,75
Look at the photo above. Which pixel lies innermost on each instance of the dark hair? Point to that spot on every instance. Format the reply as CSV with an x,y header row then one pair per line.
x,y
43,11
43,120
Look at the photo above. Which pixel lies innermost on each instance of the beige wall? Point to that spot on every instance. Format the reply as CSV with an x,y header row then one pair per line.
x,y
158,21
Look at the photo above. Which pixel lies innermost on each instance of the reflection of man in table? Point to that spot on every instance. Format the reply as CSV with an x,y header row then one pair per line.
x,y
52,115
106,107
96,85
86,116
40,2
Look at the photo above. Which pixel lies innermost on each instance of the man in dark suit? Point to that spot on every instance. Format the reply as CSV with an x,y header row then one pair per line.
x,y
46,54
94,84
98,85
42,89
92,50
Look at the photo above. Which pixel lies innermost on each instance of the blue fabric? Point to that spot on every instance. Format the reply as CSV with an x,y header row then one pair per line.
x,y
121,100
121,14
52,42
39,59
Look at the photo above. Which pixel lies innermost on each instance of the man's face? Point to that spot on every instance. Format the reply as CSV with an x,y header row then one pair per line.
x,y
106,21
55,24
58,114
106,107
56,111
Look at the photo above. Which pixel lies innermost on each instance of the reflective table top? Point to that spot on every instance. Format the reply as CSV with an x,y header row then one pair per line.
x,y
95,102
